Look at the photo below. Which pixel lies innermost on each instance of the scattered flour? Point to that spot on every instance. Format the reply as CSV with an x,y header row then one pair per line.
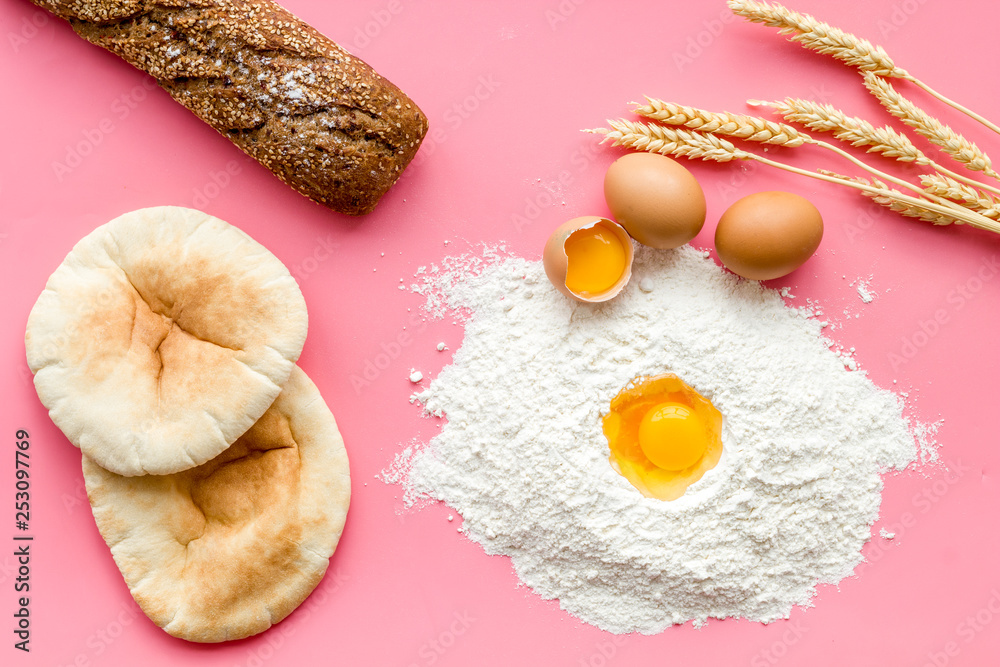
x,y
523,460
865,291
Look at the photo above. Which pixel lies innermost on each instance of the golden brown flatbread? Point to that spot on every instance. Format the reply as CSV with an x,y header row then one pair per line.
x,y
224,550
162,337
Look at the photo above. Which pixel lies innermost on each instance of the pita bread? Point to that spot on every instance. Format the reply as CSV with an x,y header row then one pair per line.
x,y
162,337
227,549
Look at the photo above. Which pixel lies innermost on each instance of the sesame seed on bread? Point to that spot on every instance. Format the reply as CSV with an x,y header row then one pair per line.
x,y
321,119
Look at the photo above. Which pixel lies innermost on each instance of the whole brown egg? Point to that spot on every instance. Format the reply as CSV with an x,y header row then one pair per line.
x,y
656,199
767,235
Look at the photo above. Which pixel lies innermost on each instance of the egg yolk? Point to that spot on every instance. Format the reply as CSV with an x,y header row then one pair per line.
x,y
663,435
672,436
595,260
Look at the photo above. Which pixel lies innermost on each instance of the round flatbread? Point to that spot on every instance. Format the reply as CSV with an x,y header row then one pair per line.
x,y
162,337
227,549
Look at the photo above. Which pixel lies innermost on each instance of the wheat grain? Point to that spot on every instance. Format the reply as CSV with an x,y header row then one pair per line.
x,y
752,128
669,141
853,50
850,129
967,196
820,37
886,196
939,134
909,210
859,132
749,128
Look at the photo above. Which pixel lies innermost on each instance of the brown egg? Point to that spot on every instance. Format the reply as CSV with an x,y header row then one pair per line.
x,y
656,199
589,258
768,234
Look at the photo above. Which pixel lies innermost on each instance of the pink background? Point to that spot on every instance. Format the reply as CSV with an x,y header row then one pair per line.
x,y
507,87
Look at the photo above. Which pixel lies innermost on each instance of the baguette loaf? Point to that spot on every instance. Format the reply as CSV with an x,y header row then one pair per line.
x,y
319,118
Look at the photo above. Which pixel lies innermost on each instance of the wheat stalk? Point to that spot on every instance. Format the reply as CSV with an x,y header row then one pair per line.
x,y
859,132
745,127
751,128
698,145
886,196
896,200
824,38
967,196
939,134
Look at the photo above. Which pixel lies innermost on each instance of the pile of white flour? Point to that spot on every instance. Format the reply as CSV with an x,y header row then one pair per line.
x,y
523,458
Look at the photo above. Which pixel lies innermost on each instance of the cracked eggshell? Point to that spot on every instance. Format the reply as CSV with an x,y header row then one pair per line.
x,y
556,261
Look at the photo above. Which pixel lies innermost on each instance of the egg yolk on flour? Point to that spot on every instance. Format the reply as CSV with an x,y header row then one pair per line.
x,y
663,435
596,260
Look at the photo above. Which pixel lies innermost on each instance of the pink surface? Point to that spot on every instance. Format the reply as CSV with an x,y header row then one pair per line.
x,y
506,87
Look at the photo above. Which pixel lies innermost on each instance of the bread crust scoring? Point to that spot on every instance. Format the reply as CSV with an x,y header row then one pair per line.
x,y
318,117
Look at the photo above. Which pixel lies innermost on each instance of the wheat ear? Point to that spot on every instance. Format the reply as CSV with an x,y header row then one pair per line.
x,y
850,129
824,38
697,145
669,141
967,196
751,128
741,126
859,132
939,134
820,37
886,196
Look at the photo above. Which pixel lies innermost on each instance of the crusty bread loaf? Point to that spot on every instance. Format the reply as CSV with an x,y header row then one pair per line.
x,y
321,119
